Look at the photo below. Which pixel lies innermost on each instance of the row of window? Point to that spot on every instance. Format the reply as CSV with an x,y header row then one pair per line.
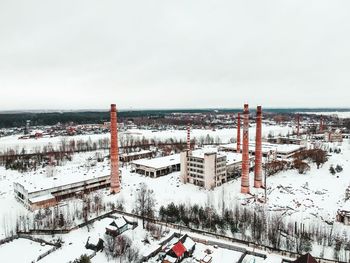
x,y
196,176
191,159
195,170
196,165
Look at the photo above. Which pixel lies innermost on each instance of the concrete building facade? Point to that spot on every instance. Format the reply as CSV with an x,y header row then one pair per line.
x,y
209,168
157,167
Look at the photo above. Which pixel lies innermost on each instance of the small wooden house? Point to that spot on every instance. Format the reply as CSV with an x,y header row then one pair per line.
x,y
117,227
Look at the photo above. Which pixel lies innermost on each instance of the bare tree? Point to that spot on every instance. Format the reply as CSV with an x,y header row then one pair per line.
x,y
144,205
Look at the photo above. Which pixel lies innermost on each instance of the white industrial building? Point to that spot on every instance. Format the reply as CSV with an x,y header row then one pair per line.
x,y
128,157
50,190
209,167
157,167
40,189
281,151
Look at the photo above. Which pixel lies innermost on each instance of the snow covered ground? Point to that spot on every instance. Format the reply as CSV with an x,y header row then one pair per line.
x,y
31,145
22,251
313,197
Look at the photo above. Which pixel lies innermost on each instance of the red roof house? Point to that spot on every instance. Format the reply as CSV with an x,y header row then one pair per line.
x,y
179,250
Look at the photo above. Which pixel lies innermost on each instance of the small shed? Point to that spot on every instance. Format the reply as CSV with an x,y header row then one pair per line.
x,y
343,215
96,244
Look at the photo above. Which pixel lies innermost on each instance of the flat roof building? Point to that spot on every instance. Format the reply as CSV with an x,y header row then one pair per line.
x,y
128,157
37,189
157,167
282,151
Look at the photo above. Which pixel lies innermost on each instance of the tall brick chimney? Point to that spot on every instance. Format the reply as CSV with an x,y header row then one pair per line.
x,y
245,152
188,137
238,133
115,182
298,125
321,124
258,150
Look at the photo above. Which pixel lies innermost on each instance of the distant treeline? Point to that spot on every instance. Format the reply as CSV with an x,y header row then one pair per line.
x,y
8,120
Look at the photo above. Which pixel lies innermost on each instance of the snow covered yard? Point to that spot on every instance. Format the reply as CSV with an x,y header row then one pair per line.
x,y
22,251
218,254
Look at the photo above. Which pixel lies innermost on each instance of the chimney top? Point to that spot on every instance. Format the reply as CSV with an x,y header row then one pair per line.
x,y
246,109
258,109
113,107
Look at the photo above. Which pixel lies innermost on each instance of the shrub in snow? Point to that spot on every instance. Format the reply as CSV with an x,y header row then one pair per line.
x,y
338,168
83,259
301,166
332,170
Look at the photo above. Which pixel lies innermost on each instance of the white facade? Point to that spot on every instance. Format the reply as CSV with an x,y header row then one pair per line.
x,y
209,168
157,167
50,191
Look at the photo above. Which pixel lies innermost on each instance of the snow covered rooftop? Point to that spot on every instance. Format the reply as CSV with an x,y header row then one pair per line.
x,y
189,244
232,158
41,198
199,153
267,147
76,171
160,162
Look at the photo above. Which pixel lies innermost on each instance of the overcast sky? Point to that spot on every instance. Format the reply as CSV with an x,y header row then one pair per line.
x,y
174,54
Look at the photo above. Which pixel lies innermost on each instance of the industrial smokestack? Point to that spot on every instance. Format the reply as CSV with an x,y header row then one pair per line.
x,y
258,150
298,125
245,152
188,137
321,124
115,182
238,133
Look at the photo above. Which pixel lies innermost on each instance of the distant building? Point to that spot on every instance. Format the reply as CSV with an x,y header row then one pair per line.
x,y
285,140
157,167
333,136
128,157
282,151
209,167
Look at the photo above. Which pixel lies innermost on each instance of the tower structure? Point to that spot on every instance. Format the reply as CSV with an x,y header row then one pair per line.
x,y
114,152
238,133
298,125
245,152
258,150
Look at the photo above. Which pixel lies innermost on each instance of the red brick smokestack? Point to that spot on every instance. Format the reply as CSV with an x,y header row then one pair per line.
x,y
188,137
321,124
245,152
115,183
298,125
258,150
238,133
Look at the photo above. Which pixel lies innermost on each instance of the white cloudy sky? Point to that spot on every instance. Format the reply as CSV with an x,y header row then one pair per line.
x,y
173,54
